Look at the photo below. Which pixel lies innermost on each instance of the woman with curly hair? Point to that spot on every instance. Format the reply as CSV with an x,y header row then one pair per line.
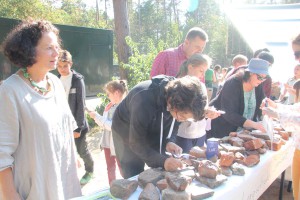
x,y
36,125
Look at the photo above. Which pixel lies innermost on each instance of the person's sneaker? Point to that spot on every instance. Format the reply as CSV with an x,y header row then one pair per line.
x,y
86,178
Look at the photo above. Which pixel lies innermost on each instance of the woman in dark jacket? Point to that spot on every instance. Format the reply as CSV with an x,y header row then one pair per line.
x,y
145,123
240,98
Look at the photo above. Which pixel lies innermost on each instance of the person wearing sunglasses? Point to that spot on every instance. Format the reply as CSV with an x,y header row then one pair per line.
x,y
240,98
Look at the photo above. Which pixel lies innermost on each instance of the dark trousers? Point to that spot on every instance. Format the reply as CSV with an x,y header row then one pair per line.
x,y
111,165
186,143
131,164
82,149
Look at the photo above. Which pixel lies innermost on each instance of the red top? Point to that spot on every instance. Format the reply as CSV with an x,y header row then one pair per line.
x,y
168,62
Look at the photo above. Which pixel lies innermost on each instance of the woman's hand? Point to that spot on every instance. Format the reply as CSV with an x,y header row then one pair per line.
x,y
271,112
172,164
173,148
212,113
268,103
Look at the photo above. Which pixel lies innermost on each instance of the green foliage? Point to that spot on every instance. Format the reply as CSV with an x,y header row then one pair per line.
x,y
139,64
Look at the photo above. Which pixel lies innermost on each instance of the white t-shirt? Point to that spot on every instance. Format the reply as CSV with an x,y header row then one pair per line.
x,y
66,81
37,141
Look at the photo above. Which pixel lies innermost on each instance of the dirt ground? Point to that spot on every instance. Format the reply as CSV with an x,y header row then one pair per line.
x,y
100,180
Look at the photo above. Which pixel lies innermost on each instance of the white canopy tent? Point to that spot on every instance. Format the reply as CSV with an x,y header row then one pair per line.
x,y
272,27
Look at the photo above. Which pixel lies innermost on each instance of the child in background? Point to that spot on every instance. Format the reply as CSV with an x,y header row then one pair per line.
x,y
191,133
288,87
115,90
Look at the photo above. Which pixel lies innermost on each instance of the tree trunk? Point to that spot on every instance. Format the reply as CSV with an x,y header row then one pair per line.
x,y
121,31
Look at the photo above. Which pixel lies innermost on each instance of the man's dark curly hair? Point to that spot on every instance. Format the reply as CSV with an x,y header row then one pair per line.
x,y
186,95
20,44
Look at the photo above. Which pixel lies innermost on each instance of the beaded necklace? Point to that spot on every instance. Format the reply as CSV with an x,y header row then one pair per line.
x,y
33,83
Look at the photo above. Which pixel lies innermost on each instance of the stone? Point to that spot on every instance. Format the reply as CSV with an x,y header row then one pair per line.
x,y
198,152
212,182
253,144
199,192
151,175
245,137
275,146
208,169
226,159
162,184
254,152
262,150
169,194
251,160
214,159
188,171
233,134
284,134
226,171
236,141
177,181
150,192
259,134
237,169
225,139
239,156
233,149
123,188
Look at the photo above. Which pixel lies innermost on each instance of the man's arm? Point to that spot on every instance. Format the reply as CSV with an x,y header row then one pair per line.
x,y
80,107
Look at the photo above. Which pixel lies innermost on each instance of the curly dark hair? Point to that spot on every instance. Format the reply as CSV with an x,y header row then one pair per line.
x,y
20,44
186,94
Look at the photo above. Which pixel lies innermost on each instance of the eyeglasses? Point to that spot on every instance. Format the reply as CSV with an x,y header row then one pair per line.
x,y
297,54
180,116
260,78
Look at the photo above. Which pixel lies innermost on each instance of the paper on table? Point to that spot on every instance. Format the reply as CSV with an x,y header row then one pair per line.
x,y
268,124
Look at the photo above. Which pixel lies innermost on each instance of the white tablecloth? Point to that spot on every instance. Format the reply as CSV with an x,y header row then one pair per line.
x,y
248,187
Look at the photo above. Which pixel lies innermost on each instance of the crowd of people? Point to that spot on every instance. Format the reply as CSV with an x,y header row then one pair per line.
x,y
185,102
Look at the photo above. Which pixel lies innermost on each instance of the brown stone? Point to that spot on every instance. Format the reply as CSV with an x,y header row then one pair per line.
x,y
226,159
275,146
284,134
198,152
151,175
262,150
150,192
162,184
208,169
253,144
123,188
251,160
239,156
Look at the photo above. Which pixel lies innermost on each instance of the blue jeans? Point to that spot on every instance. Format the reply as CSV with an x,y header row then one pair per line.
x,y
186,144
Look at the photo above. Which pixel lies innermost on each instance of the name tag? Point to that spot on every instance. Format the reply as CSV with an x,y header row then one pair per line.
x,y
73,91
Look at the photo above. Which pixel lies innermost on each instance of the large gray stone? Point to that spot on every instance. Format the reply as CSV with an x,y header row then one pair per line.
x,y
210,182
123,188
150,176
199,192
169,194
150,192
237,169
